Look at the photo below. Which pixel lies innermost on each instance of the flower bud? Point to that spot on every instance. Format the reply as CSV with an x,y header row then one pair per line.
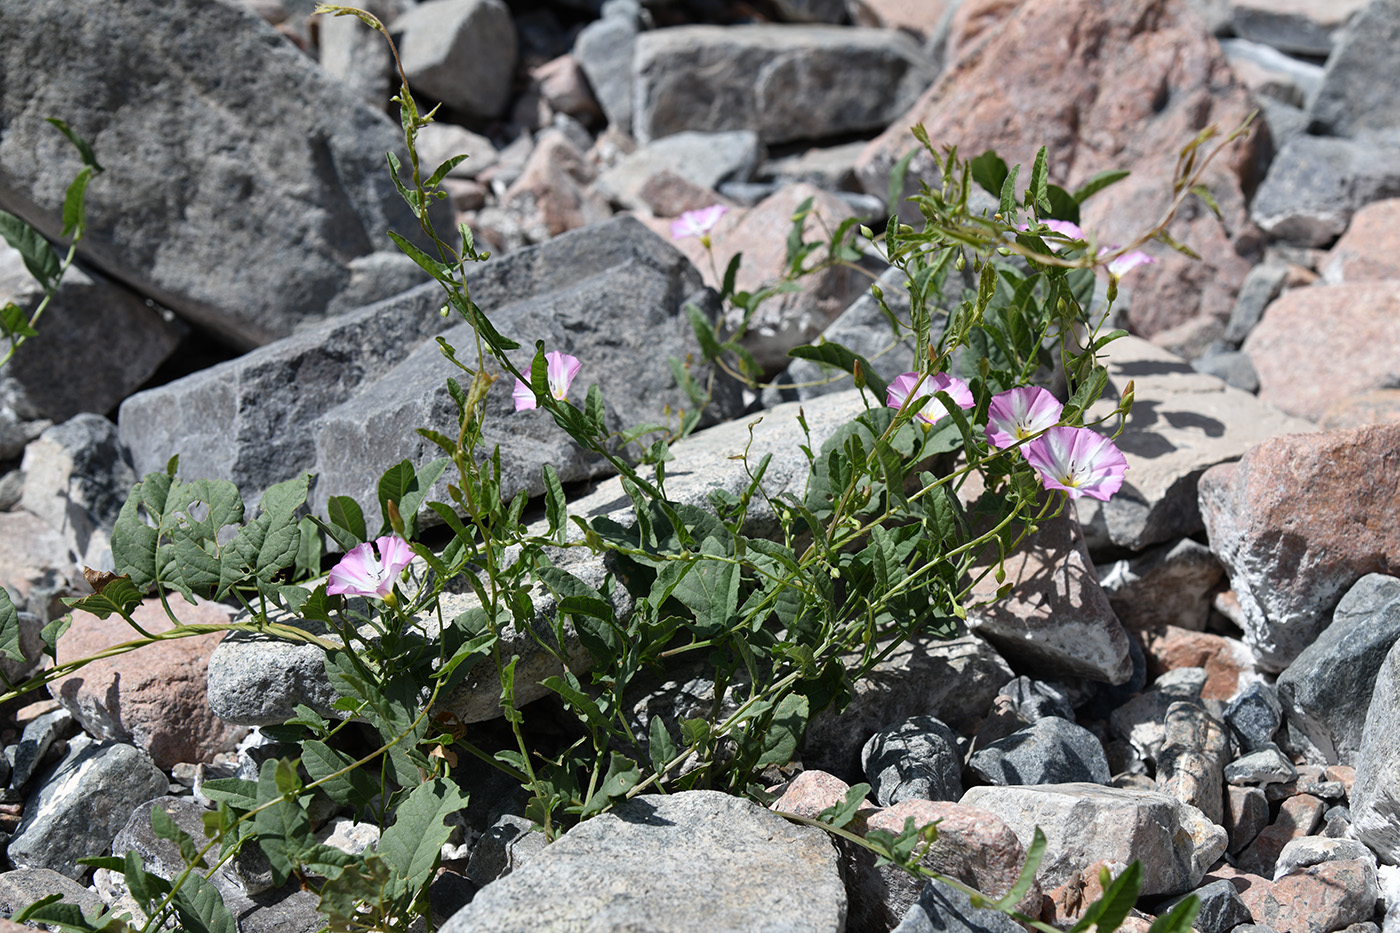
x,y
858,373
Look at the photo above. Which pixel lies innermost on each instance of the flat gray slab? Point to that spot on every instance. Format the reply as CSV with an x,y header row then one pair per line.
x,y
699,860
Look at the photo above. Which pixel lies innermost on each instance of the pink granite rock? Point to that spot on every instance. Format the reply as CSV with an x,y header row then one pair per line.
x,y
1316,347
1105,84
1299,520
1297,817
1370,249
921,17
1319,899
153,697
552,194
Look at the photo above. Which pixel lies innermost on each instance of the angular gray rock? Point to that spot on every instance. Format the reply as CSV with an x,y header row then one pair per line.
x,y
1049,751
91,318
1271,73
1085,823
1260,287
944,909
1352,98
23,886
703,159
1221,908
953,680
239,421
1171,584
783,82
1036,699
1184,423
1375,795
26,757
162,856
461,52
1306,28
239,202
604,51
1254,715
1327,689
1316,183
508,844
76,478
1056,620
917,758
680,862
1195,749
81,803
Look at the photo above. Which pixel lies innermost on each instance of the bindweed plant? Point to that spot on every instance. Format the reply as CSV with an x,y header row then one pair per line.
x,y
777,619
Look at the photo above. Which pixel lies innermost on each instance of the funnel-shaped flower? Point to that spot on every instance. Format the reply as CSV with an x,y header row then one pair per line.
x,y
1122,265
560,370
1079,461
1016,414
360,573
697,223
932,412
1066,228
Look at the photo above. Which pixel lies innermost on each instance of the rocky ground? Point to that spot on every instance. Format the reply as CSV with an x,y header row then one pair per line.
x,y
1199,673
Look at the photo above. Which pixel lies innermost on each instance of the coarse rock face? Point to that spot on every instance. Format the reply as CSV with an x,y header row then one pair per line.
x,y
1104,84
642,865
786,83
1296,522
1327,689
1316,183
1057,619
1375,795
1085,823
1341,336
461,52
1182,423
1370,249
154,698
1352,98
242,181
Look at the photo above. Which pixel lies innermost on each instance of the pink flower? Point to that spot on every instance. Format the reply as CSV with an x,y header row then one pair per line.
x,y
1079,461
697,223
1066,228
1122,265
902,386
360,573
1016,414
560,370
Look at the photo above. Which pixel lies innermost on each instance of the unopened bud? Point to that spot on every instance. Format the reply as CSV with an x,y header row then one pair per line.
x,y
878,292
867,232
1003,251
395,519
1127,403
858,373
961,262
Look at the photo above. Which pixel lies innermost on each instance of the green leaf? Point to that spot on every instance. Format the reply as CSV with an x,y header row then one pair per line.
x,y
9,628
418,490
345,513
51,633
1179,918
1109,911
704,333
1099,182
84,148
146,887
396,483
308,556
117,596
165,828
1036,196
662,749
785,732
710,589
794,237
438,270
840,814
623,774
593,411
834,354
39,257
74,212
989,171
1063,206
440,173
412,845
1008,195
201,908
283,827
731,272
355,788
15,322
1022,887
556,510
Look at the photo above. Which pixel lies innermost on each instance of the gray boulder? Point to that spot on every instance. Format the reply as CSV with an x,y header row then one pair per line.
x,y
1325,692
1307,28
918,758
1084,823
1353,97
461,52
703,159
24,886
1375,795
239,202
680,862
604,51
80,804
945,909
1221,908
1316,183
118,339
1254,715
783,82
1049,751
76,478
